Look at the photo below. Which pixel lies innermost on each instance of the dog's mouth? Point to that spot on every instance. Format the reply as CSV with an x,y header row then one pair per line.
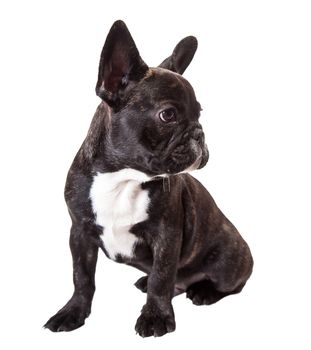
x,y
157,168
183,159
195,159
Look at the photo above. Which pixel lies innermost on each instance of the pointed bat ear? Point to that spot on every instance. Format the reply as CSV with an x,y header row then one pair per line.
x,y
181,56
120,63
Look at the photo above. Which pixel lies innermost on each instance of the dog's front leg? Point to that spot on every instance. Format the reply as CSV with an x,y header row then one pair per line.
x,y
157,316
84,250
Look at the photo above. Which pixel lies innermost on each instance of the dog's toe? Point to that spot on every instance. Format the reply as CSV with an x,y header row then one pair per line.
x,y
154,326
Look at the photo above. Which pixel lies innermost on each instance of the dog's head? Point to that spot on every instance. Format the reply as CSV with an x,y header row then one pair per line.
x,y
154,113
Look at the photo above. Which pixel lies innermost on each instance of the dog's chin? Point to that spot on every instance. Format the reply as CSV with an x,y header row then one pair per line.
x,y
204,158
194,166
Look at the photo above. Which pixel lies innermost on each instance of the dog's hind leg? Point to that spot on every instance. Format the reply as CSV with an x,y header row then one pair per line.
x,y
227,268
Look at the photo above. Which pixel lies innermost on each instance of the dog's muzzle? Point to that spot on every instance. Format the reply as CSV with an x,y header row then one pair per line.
x,y
188,152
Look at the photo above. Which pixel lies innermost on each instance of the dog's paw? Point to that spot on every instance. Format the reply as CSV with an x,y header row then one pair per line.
x,y
70,317
153,322
141,284
204,293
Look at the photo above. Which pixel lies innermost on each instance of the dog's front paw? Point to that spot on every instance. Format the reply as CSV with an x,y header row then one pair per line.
x,y
154,322
70,317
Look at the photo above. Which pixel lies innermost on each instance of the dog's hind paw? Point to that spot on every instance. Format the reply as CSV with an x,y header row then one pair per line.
x,y
204,293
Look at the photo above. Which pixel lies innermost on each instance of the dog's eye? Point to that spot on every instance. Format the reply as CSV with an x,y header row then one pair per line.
x,y
168,115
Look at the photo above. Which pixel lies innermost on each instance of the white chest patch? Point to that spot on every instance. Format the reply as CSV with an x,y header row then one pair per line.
x,y
118,203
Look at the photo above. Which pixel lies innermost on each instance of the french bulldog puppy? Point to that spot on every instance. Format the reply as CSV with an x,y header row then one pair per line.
x,y
129,193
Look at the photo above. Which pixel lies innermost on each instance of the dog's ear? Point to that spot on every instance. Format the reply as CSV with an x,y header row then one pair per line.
x,y
120,63
181,56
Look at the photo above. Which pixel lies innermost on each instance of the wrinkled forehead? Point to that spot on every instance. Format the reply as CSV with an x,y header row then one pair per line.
x,y
163,85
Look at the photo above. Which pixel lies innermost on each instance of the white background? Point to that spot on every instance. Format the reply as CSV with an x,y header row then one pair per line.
x,y
252,76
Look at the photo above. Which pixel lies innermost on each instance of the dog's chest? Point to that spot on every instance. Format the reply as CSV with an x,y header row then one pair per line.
x,y
118,203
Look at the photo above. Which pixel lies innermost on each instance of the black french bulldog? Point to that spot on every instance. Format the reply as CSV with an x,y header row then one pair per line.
x,y
128,192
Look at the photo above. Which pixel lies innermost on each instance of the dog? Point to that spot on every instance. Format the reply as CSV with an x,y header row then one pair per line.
x,y
129,192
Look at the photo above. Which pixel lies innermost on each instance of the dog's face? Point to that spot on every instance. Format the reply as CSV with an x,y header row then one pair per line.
x,y
154,123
